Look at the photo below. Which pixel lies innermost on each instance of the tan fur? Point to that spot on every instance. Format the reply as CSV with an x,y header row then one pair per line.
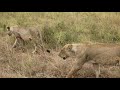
x,y
24,34
100,54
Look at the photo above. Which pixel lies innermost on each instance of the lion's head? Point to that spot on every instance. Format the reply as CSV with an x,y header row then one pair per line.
x,y
9,31
67,51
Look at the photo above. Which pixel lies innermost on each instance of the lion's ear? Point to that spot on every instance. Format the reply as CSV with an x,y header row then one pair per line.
x,y
70,47
8,28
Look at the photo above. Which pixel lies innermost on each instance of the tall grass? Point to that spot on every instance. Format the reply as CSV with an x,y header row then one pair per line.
x,y
57,29
60,28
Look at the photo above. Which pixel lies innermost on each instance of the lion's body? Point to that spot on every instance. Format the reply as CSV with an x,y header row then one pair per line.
x,y
101,54
25,34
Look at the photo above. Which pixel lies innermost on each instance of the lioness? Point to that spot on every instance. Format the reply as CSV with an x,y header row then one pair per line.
x,y
99,54
23,34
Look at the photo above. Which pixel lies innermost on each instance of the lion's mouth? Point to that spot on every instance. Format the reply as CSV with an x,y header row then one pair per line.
x,y
64,58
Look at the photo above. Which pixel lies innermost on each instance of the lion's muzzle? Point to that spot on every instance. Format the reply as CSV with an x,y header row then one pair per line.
x,y
64,58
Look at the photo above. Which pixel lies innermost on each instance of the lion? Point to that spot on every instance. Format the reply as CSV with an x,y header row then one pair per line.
x,y
98,54
24,34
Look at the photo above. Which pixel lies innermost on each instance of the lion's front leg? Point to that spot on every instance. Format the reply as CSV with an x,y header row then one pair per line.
x,y
74,70
15,43
97,69
35,49
78,65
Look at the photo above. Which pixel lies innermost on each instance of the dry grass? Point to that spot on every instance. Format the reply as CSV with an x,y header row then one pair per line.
x,y
58,29
18,64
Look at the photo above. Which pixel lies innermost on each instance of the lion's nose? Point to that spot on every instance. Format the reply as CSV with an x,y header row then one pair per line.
x,y
48,51
64,58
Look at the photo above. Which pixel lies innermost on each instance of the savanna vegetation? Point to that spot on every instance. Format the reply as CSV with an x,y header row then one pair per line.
x,y
57,29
